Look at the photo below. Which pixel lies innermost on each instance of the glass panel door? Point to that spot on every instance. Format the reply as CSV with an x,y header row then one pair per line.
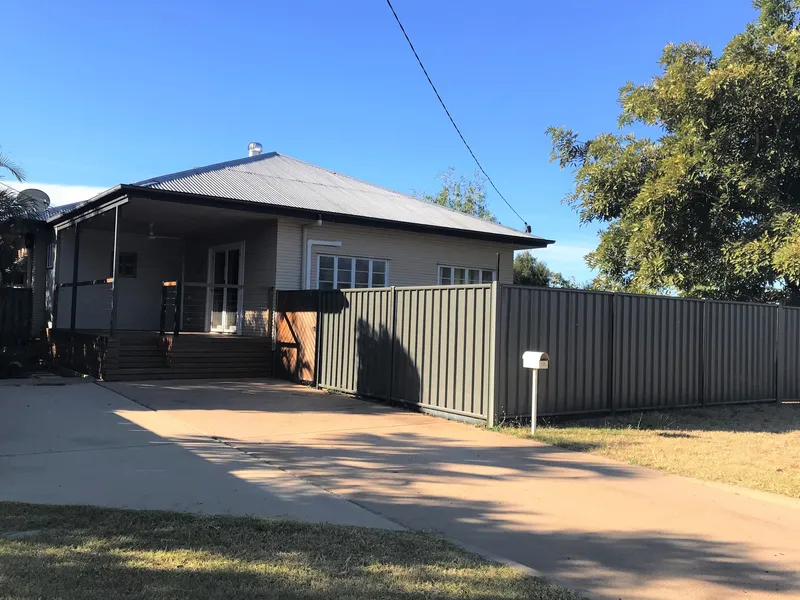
x,y
224,289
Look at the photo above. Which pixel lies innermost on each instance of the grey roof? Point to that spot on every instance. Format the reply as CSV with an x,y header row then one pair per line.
x,y
53,211
275,179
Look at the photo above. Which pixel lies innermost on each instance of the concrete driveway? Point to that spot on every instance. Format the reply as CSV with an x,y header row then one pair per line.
x,y
83,444
601,527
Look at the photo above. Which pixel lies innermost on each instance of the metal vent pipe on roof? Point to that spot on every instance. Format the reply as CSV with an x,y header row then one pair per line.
x,y
254,149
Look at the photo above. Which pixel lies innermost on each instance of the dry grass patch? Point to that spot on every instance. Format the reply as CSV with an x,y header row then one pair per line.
x,y
755,446
106,554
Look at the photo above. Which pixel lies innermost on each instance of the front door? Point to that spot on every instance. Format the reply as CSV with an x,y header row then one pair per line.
x,y
225,287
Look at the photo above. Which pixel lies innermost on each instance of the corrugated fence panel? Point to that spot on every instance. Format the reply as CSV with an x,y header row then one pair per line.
x,y
657,352
740,352
355,341
442,353
574,328
15,314
789,371
433,347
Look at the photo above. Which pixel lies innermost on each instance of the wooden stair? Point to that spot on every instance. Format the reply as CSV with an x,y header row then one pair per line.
x,y
191,356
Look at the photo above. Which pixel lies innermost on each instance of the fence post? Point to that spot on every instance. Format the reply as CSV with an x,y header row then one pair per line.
x,y
611,349
394,341
703,353
318,340
494,352
778,352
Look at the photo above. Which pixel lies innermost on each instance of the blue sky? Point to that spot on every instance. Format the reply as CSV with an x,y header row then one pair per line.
x,y
100,93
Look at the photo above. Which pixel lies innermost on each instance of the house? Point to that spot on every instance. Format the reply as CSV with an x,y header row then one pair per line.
x,y
230,234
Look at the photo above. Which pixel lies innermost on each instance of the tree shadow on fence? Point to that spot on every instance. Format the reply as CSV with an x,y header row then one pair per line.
x,y
385,371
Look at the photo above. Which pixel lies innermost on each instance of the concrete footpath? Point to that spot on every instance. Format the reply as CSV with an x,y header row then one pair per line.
x,y
604,528
83,444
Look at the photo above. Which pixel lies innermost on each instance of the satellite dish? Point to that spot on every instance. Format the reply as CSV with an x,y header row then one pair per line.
x,y
38,200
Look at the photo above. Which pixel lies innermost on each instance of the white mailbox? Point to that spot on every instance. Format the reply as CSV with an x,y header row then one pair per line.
x,y
536,361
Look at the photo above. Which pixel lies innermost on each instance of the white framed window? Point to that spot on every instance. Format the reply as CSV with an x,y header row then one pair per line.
x,y
339,272
449,275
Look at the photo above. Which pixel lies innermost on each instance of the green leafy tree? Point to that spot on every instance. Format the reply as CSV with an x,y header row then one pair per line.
x,y
709,204
529,270
462,194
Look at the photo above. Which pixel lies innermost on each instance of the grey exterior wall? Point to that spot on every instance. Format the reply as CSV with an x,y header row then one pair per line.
x,y
259,276
273,259
289,250
413,258
139,298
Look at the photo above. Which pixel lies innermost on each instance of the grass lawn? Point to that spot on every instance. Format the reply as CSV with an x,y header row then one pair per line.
x,y
80,552
755,446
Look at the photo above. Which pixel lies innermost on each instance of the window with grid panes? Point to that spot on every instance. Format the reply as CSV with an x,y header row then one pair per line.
x,y
339,272
464,275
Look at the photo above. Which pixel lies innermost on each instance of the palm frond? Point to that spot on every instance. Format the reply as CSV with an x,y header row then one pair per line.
x,y
9,165
14,205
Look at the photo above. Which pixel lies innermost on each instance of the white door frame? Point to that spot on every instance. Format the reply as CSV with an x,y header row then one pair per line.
x,y
211,286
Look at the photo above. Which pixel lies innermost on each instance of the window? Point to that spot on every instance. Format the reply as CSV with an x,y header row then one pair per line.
x,y
464,276
338,272
127,264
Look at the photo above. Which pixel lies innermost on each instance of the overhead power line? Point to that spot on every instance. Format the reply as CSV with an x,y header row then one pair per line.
x,y
449,116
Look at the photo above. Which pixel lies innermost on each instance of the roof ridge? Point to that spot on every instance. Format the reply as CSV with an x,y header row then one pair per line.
x,y
447,208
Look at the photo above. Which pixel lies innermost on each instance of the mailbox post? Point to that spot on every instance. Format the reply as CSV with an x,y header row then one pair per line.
x,y
536,361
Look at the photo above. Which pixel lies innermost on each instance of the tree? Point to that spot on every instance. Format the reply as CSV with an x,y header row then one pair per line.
x,y
12,207
711,206
461,194
529,270
12,204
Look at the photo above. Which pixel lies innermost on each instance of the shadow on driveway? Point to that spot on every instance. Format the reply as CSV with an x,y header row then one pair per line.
x,y
592,524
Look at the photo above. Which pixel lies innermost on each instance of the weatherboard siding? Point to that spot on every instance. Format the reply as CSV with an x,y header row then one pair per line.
x,y
289,263
413,258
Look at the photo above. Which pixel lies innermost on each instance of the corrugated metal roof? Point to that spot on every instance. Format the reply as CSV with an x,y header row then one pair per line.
x,y
54,211
280,180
